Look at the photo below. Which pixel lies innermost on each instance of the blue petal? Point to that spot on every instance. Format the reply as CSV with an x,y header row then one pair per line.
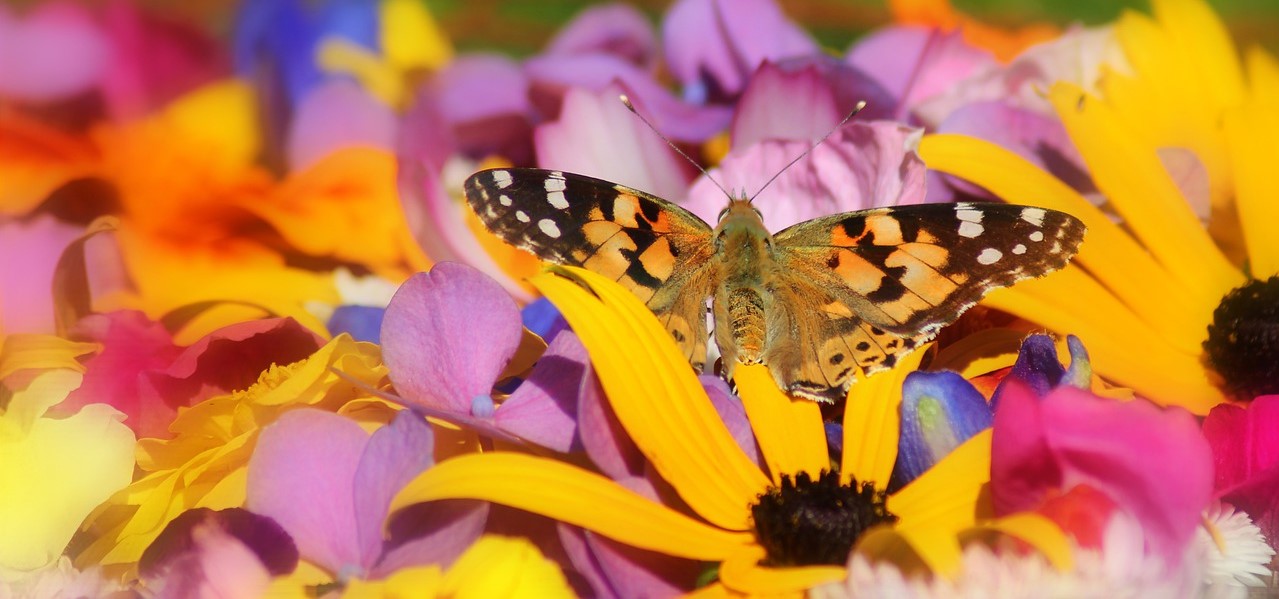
x,y
543,319
364,323
355,21
278,38
1036,366
939,411
835,440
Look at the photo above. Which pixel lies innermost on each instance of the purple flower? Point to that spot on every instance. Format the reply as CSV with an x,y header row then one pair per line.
x,y
617,29
225,553
328,483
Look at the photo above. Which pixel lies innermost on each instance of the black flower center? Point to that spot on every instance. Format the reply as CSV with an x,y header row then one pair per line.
x,y
1243,339
804,522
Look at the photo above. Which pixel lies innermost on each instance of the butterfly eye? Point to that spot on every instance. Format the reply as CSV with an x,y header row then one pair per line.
x,y
722,214
757,212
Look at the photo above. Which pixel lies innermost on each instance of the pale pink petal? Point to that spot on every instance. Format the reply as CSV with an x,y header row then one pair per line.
x,y
863,165
803,99
617,29
54,51
597,136
26,299
484,100
915,63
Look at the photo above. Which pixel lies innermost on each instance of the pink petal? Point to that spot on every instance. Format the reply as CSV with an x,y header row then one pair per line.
x,y
553,75
916,63
603,437
54,51
803,99
1244,440
863,165
431,533
394,455
718,44
617,29
26,302
302,475
732,412
543,408
447,335
334,115
484,99
206,553
1153,463
635,572
597,136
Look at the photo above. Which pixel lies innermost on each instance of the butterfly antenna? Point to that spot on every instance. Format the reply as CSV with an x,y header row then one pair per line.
x,y
627,103
856,109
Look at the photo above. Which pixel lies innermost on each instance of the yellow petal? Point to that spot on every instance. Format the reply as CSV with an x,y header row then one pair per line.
x,y
573,495
223,116
656,397
1211,62
1252,133
980,353
339,56
941,502
1140,189
405,583
741,572
789,431
41,352
1263,77
53,473
1038,532
29,403
872,423
411,39
1109,254
503,567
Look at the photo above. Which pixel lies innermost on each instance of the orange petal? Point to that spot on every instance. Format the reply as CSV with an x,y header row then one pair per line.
x,y
789,431
572,495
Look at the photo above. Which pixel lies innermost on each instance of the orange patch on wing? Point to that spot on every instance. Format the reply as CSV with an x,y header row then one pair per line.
x,y
858,273
887,229
658,259
921,275
626,211
608,260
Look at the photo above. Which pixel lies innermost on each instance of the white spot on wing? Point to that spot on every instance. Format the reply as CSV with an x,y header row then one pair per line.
x,y
970,229
556,198
1037,236
554,183
504,200
968,215
549,228
1019,249
502,179
989,256
520,216
1034,216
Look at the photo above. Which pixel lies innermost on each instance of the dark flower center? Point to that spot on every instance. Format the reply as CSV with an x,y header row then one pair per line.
x,y
804,522
1243,339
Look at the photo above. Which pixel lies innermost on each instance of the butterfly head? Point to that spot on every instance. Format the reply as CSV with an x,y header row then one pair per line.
x,y
741,220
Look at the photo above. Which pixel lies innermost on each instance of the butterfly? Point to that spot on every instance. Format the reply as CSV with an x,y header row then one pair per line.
x,y
816,302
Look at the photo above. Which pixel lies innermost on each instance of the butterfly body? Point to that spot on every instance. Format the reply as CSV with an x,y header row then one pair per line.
x,y
816,302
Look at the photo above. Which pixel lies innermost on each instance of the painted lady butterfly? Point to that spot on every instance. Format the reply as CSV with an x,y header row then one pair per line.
x,y
815,302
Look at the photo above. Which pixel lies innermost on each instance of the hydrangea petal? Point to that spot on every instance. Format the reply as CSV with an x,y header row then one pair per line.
x,y
543,408
394,455
447,335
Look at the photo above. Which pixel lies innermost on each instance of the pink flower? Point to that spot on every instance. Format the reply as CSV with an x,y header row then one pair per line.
x,y
1245,449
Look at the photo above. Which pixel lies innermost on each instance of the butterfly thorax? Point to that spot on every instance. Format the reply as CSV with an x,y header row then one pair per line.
x,y
745,250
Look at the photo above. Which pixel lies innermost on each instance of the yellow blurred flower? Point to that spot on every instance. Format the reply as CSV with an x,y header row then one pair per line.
x,y
493,566
53,472
1142,292
667,414
205,463
411,41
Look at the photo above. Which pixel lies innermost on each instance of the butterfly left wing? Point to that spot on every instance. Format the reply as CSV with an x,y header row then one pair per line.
x,y
888,279
657,250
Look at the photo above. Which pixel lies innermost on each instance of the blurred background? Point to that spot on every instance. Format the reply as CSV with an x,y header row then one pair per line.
x,y
523,26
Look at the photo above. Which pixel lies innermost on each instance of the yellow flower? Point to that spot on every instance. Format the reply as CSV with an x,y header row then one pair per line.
x,y
667,414
493,566
205,463
411,41
53,472
1141,293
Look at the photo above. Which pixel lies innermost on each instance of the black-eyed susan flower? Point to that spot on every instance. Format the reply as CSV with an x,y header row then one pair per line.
x,y
1143,291
782,526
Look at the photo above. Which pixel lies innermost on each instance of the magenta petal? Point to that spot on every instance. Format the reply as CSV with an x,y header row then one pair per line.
x,y
553,75
915,63
54,51
132,346
335,115
206,553
597,136
447,335
718,44
617,29
863,165
301,475
543,409
395,454
1154,463
1245,441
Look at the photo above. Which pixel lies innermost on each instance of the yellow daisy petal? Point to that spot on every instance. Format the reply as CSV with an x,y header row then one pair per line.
x,y
573,495
1210,54
1252,134
742,570
656,397
789,431
872,423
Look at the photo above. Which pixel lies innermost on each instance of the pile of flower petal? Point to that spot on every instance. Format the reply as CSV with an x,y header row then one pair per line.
x,y
253,341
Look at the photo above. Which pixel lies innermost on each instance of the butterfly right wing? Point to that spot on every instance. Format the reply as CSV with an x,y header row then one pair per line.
x,y
657,250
